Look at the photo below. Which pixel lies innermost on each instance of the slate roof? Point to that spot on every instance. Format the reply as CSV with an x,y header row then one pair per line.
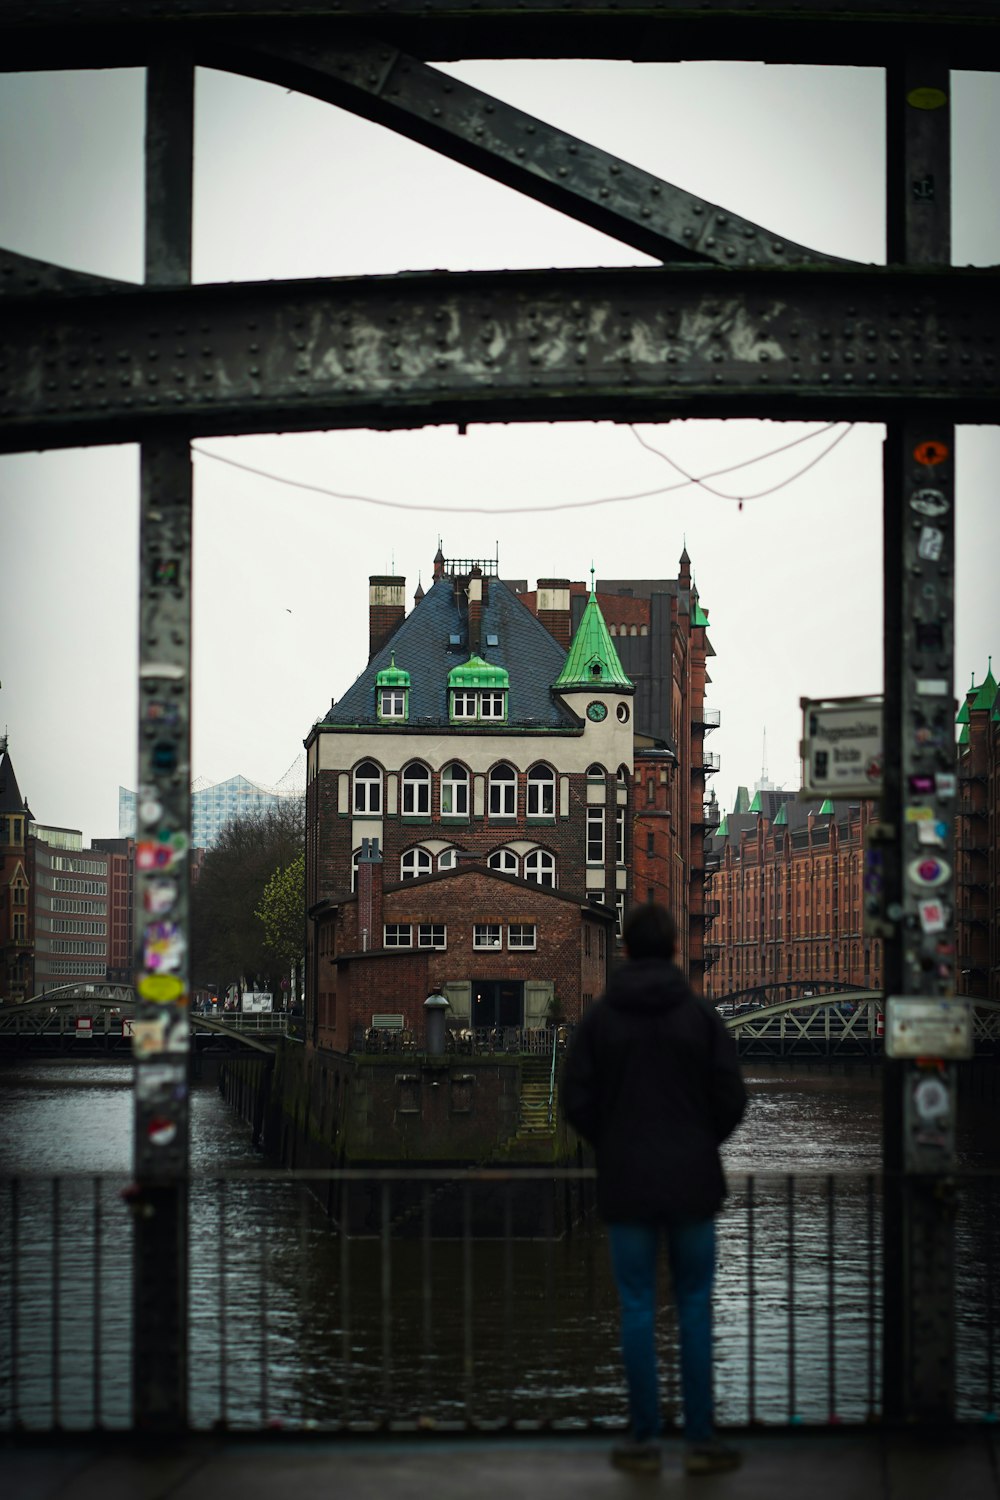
x,y
423,647
11,800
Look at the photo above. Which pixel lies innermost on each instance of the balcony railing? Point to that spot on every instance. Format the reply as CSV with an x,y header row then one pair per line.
x,y
347,1301
707,718
706,763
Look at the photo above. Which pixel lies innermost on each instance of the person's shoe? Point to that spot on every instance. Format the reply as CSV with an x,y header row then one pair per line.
x,y
637,1458
711,1457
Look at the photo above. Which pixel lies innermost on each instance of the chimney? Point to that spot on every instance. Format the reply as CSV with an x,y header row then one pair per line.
x,y
438,564
386,610
554,609
369,896
476,610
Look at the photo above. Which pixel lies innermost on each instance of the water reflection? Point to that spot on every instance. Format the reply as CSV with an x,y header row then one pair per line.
x,y
292,1323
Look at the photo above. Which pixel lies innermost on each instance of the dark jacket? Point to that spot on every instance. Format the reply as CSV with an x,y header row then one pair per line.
x,y
652,1082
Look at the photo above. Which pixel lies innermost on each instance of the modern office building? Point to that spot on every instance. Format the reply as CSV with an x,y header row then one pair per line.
x,y
214,804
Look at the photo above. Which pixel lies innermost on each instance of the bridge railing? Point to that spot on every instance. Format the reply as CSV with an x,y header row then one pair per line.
x,y
351,1301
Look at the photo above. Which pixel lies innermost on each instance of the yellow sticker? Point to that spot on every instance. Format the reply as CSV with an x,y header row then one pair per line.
x,y
161,988
920,814
927,98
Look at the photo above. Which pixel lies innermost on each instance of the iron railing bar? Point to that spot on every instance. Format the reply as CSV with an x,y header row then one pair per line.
x,y
549,1295
426,1298
221,1312
56,1354
96,1307
263,1261
386,1299
345,1305
15,1293
792,1402
871,1297
751,1304
305,1384
831,1356
468,1349
508,1291
990,1335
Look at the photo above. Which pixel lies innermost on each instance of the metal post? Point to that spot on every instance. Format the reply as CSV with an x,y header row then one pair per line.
x,y
919,1098
161,1045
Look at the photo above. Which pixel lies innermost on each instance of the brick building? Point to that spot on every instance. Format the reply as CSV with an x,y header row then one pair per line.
x,y
472,737
785,895
977,841
121,906
71,896
16,930
660,632
504,951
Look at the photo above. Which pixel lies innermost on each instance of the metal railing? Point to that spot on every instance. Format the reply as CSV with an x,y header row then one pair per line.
x,y
533,1041
356,1301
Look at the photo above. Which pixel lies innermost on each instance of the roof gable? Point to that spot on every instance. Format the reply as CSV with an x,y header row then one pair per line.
x,y
433,640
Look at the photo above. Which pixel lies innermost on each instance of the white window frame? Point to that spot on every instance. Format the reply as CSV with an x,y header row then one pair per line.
x,y
487,935
535,862
397,940
409,862
367,799
504,860
425,935
448,859
541,789
619,913
392,703
493,704
506,787
521,942
455,779
619,835
415,800
595,841
464,703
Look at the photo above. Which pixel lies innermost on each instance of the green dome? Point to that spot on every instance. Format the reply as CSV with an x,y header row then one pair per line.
x,y
476,673
392,676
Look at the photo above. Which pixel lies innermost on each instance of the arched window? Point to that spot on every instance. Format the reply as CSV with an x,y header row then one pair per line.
x,y
416,790
596,770
541,792
354,869
447,859
540,866
413,863
503,791
454,791
503,860
367,788
623,775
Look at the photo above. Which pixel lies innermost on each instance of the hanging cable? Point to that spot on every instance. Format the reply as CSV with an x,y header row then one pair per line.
x,y
758,494
532,510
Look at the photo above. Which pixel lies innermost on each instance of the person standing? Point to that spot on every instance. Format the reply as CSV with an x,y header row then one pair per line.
x,y
652,1082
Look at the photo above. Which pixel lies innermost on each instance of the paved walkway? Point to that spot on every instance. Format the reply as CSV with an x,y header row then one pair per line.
x,y
849,1465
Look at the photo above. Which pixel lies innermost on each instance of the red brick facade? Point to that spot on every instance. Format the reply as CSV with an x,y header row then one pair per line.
x,y
786,903
559,975
977,846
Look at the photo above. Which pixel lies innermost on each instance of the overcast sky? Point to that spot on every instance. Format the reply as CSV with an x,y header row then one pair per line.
x,y
289,187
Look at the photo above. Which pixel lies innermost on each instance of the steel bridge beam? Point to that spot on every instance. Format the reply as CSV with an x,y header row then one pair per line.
x,y
391,88
405,351
37,34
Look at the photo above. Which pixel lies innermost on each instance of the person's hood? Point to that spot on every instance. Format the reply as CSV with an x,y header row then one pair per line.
x,y
647,984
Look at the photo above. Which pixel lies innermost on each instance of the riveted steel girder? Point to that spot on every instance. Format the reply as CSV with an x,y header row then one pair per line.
x,y
376,80
405,351
127,33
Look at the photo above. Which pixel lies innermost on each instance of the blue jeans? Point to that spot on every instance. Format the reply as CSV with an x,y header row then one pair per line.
x,y
691,1250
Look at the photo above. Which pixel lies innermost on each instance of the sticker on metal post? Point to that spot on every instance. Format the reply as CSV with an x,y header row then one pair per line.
x,y
928,870
930,453
933,915
926,97
930,503
931,544
918,1027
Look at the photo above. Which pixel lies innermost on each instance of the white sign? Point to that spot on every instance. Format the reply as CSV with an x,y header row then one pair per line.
x,y
841,747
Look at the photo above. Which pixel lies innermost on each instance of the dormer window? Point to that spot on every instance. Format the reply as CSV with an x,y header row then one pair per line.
x,y
392,693
477,693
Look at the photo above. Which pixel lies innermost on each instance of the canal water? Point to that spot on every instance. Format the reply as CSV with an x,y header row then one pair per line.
x,y
292,1324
